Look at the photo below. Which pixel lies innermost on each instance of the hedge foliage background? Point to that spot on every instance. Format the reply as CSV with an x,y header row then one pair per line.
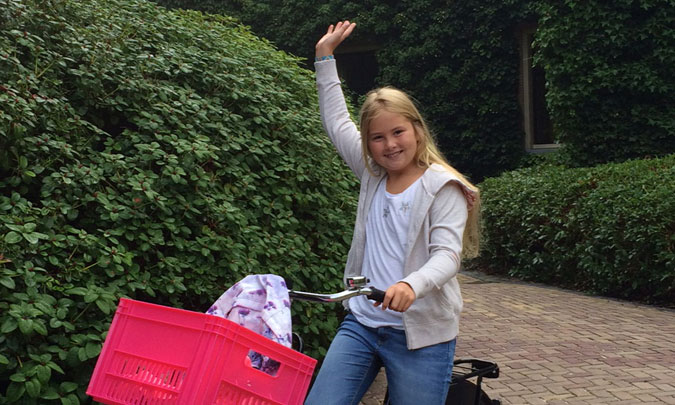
x,y
608,230
156,155
608,68
611,86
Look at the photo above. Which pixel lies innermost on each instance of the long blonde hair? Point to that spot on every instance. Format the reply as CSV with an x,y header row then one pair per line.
x,y
396,101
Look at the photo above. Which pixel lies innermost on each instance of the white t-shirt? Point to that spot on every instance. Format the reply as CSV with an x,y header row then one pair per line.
x,y
386,235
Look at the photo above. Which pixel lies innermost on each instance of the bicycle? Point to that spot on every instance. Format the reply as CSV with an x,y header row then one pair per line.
x,y
463,391
161,355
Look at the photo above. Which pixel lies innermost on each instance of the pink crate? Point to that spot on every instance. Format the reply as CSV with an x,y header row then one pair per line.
x,y
160,355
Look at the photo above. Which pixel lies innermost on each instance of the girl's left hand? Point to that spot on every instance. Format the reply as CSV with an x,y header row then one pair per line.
x,y
398,297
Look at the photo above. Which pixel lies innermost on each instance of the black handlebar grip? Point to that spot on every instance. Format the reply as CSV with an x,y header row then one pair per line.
x,y
376,295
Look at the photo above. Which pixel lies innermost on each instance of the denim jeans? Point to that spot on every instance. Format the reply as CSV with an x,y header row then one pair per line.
x,y
357,353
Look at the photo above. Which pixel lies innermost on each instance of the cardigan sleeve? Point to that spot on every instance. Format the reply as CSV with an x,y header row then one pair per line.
x,y
335,116
447,220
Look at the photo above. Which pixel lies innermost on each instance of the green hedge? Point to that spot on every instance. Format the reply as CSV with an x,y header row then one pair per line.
x,y
156,155
460,62
608,65
609,68
607,230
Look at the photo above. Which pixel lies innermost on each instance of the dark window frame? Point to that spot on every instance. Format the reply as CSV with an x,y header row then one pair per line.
x,y
537,125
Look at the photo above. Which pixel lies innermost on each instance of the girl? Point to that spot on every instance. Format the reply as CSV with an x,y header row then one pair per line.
x,y
416,217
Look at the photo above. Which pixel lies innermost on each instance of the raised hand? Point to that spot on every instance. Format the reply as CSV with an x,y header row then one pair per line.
x,y
333,37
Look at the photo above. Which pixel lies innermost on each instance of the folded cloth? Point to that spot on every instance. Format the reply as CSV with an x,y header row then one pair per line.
x,y
259,303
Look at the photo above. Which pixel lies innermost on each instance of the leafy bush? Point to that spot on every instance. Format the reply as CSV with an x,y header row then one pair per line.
x,y
460,62
610,81
608,230
156,155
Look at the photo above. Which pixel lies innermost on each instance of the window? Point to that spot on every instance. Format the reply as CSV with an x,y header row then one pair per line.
x,y
357,65
536,121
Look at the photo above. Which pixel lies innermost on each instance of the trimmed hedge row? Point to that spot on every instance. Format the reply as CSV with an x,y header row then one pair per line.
x,y
608,230
156,155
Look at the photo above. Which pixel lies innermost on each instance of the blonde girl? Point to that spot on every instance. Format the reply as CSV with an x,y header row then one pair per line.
x,y
416,217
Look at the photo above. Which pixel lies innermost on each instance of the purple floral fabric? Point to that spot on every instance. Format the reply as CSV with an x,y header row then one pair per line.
x,y
259,303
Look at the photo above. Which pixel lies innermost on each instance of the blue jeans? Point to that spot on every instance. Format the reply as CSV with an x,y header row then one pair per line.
x,y
357,353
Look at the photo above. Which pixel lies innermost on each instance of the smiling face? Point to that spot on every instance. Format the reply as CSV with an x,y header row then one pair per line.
x,y
392,142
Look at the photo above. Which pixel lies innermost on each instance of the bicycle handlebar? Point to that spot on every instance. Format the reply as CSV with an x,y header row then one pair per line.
x,y
370,292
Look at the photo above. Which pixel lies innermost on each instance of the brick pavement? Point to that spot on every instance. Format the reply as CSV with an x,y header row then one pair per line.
x,y
559,347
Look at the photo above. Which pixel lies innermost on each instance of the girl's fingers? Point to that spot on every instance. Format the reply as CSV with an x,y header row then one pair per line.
x,y
333,37
342,28
398,297
398,304
349,30
386,301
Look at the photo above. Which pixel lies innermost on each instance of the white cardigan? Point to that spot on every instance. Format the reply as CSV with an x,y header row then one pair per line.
x,y
436,225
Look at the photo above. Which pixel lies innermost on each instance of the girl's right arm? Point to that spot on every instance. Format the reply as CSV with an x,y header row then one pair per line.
x,y
334,114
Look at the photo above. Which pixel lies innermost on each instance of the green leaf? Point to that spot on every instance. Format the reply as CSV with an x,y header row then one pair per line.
x,y
44,373
68,386
50,393
17,377
8,282
78,291
4,360
12,237
15,391
55,367
45,307
103,305
92,349
33,237
26,326
9,325
71,399
39,327
82,354
33,388
90,296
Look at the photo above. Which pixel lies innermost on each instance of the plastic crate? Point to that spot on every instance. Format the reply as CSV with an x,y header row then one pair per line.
x,y
160,355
